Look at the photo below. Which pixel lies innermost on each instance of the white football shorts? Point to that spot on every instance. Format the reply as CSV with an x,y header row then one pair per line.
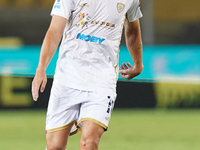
x,y
71,106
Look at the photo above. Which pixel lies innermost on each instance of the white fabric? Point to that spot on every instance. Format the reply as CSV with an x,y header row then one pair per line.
x,y
68,105
88,56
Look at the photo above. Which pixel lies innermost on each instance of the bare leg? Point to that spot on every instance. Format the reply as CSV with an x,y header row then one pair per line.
x,y
58,140
90,136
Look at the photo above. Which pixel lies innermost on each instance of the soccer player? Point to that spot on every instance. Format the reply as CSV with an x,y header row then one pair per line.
x,y
84,87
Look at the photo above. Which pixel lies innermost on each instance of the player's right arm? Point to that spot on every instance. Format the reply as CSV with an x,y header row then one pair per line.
x,y
49,47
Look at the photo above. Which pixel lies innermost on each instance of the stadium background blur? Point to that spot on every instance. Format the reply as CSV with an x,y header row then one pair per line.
x,y
158,110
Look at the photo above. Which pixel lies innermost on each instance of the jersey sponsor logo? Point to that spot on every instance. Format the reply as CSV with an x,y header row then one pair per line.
x,y
102,23
83,19
56,6
120,7
90,38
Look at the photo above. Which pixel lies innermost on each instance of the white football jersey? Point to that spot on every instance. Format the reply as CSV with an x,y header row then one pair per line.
x,y
88,55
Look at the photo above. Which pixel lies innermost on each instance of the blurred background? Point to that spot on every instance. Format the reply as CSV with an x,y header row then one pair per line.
x,y
170,33
164,22
169,86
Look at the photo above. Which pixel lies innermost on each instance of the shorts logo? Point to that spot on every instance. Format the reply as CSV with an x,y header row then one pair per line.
x,y
90,38
107,118
47,119
120,7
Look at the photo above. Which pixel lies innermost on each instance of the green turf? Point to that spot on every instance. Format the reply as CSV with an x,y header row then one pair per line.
x,y
128,130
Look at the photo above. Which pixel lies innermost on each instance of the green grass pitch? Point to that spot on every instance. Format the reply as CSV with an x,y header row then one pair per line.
x,y
128,130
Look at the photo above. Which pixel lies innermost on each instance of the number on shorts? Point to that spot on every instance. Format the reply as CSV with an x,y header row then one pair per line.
x,y
110,105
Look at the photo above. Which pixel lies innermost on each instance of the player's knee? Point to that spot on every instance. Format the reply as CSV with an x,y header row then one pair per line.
x,y
55,147
92,142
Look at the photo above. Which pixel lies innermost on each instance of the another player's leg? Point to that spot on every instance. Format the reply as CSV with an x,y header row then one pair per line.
x,y
58,140
90,135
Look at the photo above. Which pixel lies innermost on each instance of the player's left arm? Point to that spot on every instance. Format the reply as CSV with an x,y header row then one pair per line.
x,y
134,45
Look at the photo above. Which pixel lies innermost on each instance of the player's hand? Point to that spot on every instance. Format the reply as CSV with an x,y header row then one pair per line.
x,y
128,71
39,83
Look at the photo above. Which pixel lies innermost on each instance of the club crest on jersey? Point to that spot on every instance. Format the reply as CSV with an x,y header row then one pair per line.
x,y
120,7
